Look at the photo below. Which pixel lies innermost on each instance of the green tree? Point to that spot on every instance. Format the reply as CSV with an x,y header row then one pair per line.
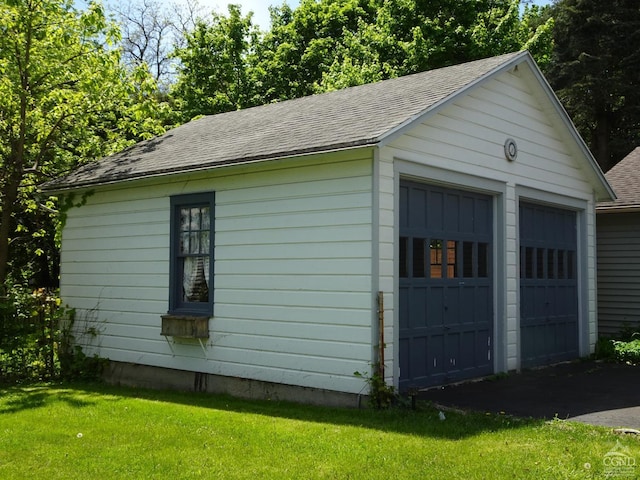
x,y
358,59
330,44
213,75
503,28
595,71
306,43
64,99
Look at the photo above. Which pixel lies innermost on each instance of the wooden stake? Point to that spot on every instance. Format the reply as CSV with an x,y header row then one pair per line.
x,y
381,334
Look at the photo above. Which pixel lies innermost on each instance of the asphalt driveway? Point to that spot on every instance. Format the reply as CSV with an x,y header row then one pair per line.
x,y
597,393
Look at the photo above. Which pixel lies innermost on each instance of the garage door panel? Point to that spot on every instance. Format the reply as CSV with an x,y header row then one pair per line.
x,y
418,361
404,297
469,351
527,221
417,308
483,303
467,215
533,303
483,215
566,308
548,285
484,350
435,355
404,348
467,305
445,287
435,307
466,355
452,345
559,333
540,302
452,308
404,206
418,211
435,220
452,213
527,338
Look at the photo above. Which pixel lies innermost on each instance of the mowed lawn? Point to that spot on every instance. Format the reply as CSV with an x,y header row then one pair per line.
x,y
93,431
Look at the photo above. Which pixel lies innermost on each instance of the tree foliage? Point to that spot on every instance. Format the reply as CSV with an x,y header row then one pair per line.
x,y
330,44
64,98
596,73
214,74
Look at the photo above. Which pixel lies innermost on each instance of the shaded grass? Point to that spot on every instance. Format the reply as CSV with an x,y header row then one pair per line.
x,y
95,431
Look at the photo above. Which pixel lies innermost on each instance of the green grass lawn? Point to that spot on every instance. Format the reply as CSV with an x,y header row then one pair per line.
x,y
92,431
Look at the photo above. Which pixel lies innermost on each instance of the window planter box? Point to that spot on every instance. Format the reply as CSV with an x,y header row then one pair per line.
x,y
185,326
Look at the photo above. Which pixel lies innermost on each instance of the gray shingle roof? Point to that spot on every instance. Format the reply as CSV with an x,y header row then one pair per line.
x,y
624,177
356,116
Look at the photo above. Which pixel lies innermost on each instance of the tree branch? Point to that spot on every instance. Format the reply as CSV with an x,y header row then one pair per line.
x,y
43,145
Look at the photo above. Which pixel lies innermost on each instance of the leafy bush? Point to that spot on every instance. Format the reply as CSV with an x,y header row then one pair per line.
x,y
627,352
28,326
74,363
605,349
36,340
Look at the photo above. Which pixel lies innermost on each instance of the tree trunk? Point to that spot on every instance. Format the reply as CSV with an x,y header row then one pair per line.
x,y
9,197
14,170
600,142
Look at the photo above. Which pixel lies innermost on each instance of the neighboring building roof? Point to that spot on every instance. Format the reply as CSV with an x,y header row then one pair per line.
x,y
360,116
624,178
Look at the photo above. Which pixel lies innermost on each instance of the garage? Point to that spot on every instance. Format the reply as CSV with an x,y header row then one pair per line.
x,y
548,285
445,285
393,238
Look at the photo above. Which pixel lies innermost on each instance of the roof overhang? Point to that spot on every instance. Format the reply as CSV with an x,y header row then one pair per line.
x,y
205,168
609,209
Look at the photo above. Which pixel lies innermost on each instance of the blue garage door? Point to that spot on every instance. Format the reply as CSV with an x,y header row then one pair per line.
x,y
446,308
548,285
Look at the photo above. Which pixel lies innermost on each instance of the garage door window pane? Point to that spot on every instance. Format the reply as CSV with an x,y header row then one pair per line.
x,y
452,259
419,264
435,255
483,260
551,263
467,259
571,265
403,256
527,262
561,265
540,263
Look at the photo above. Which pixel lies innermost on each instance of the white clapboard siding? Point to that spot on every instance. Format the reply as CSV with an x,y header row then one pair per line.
x,y
618,272
469,138
292,282
465,139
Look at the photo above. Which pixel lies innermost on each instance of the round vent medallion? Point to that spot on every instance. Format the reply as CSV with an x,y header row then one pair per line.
x,y
510,149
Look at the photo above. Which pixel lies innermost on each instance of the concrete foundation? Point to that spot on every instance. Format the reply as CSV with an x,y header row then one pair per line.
x,y
144,376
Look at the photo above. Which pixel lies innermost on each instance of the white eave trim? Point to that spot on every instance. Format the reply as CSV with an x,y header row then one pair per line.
x,y
618,209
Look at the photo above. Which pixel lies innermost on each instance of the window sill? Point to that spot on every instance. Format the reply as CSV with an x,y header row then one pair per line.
x,y
185,326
